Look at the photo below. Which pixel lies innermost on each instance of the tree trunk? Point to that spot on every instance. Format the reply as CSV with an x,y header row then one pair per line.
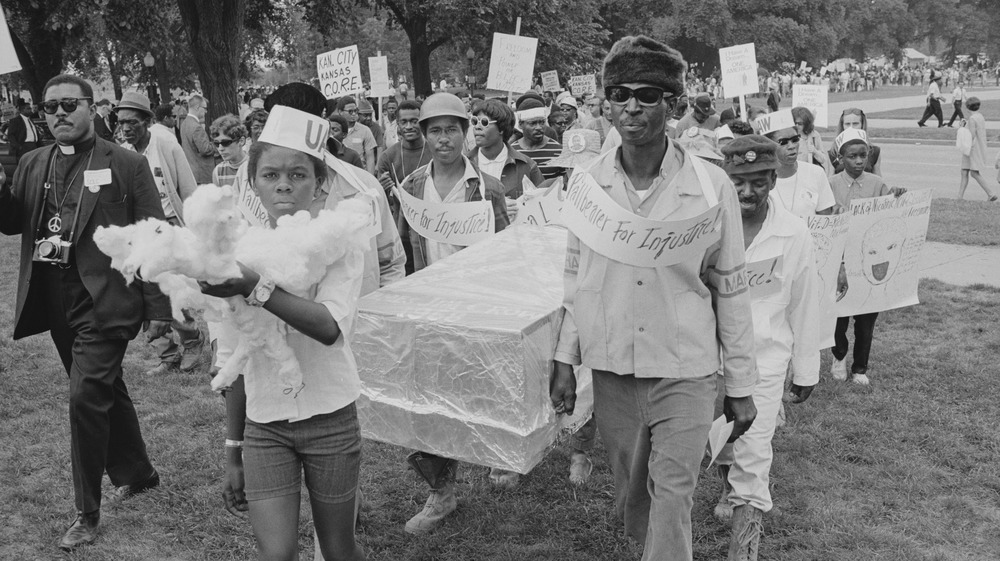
x,y
41,56
163,77
215,34
114,68
420,55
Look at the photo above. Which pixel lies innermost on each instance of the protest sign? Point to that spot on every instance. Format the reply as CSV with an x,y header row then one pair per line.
x,y
378,72
512,63
455,223
761,278
8,58
815,98
776,121
541,207
829,234
250,206
739,70
7,110
584,84
339,72
802,65
550,81
618,234
882,252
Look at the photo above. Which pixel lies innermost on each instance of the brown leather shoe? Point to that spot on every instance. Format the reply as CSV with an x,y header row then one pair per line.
x,y
161,369
82,532
191,357
128,491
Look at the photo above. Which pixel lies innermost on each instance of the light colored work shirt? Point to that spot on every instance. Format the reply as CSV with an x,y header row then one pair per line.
x,y
663,322
846,188
493,166
784,319
806,192
439,250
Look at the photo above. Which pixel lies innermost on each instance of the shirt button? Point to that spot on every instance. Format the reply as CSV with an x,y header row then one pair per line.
x,y
641,329
640,283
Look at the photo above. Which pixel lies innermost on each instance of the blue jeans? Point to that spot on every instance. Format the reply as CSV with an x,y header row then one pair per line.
x,y
655,430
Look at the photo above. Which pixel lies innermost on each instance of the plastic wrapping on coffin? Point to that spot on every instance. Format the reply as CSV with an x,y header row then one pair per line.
x,y
455,359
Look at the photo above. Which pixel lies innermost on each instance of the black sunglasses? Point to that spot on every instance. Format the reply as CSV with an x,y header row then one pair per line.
x,y
223,143
69,104
648,95
789,140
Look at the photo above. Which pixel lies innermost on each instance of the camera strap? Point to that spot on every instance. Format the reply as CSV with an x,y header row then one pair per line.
x,y
49,186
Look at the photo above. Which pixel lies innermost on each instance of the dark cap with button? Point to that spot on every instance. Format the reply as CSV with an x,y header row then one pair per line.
x,y
750,153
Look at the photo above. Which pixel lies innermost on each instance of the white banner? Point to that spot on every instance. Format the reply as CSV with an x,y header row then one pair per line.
x,y
455,223
250,206
829,234
378,71
761,278
618,234
550,81
882,253
541,207
512,63
339,72
739,70
771,122
816,99
584,84
8,58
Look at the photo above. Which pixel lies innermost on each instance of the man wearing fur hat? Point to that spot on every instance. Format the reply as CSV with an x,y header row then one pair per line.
x,y
782,282
652,331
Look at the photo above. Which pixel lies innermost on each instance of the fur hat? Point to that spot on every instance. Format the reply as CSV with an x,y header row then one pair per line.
x,y
641,59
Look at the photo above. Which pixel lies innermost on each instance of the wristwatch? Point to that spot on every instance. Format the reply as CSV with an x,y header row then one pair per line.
x,y
261,293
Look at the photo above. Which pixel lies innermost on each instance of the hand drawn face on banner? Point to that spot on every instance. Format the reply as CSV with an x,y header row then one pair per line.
x,y
881,249
822,246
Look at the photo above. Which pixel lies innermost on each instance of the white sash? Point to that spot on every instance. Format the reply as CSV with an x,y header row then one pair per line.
x,y
453,223
617,233
762,278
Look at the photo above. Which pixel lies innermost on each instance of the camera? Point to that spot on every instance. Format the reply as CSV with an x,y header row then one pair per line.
x,y
52,250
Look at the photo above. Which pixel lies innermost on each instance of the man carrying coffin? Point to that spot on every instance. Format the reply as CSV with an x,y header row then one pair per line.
x,y
782,281
651,324
467,206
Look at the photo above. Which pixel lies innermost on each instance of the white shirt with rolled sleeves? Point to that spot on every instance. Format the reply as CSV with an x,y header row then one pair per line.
x,y
785,327
805,193
664,322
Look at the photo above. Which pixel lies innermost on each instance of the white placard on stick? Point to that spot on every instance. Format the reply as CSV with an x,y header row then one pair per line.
x,y
584,84
829,234
378,71
550,81
816,99
512,63
618,234
882,254
8,58
339,72
776,121
739,70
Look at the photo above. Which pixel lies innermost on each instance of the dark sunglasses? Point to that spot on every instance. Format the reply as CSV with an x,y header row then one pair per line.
x,y
789,140
223,143
648,95
69,104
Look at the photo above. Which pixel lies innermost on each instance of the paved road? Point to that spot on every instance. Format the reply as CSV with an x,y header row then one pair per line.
x,y
931,167
960,264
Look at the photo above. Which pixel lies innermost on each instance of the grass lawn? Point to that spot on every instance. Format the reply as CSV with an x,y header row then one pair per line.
x,y
964,222
904,470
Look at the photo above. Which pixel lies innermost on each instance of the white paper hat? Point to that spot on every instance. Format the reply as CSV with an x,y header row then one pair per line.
x,y
297,130
848,135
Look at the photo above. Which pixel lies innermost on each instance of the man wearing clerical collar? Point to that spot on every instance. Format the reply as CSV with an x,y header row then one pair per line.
x,y
652,334
66,286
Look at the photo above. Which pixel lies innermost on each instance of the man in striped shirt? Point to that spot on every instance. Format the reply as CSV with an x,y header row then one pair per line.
x,y
534,144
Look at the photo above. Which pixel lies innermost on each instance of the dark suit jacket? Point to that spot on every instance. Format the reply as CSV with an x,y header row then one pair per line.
x,y
17,133
102,130
119,309
198,148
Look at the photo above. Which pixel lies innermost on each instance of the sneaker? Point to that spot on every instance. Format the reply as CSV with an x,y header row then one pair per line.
x,y
504,478
860,379
580,468
724,510
838,369
747,529
439,505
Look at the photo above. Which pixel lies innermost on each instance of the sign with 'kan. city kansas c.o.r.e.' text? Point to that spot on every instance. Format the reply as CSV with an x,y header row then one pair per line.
x,y
339,72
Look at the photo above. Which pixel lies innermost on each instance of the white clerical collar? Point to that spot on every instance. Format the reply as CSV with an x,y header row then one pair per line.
x,y
67,150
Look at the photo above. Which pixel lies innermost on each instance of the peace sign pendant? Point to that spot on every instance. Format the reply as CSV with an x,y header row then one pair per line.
x,y
55,224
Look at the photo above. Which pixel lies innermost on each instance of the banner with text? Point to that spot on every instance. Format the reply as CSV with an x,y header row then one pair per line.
x,y
455,223
771,122
339,72
762,279
739,70
550,81
378,72
882,254
829,234
584,84
541,207
512,63
816,99
618,234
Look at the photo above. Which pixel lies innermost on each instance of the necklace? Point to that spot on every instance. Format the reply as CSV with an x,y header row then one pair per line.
x,y
402,160
795,193
55,223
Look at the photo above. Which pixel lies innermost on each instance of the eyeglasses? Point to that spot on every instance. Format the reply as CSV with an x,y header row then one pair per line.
x,y
648,95
481,121
68,104
223,143
789,140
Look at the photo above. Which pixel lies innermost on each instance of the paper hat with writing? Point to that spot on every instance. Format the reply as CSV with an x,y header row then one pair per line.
x,y
850,135
580,147
750,153
297,130
772,122
724,132
531,114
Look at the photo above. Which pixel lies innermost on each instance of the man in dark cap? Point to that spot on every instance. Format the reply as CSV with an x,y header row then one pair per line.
x,y
702,115
783,284
651,330
934,99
